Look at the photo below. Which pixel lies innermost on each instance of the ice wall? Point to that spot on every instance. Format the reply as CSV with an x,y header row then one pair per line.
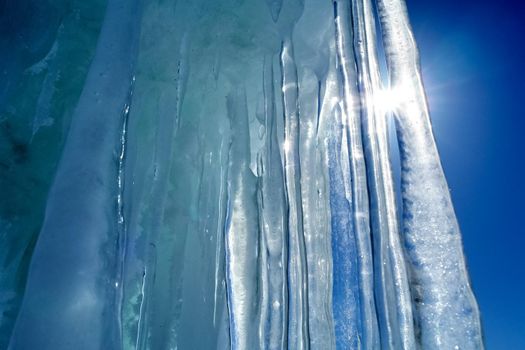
x,y
225,182
44,59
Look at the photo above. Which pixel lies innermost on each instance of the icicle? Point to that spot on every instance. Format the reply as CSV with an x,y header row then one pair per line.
x,y
361,221
316,209
241,231
446,312
297,270
346,295
273,226
315,55
391,282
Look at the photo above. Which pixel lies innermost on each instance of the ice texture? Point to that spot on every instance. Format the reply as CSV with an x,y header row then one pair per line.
x,y
446,312
218,175
70,297
391,281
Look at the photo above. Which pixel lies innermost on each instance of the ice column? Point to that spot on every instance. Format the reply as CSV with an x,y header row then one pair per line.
x,y
446,312
273,217
391,282
351,119
242,234
297,269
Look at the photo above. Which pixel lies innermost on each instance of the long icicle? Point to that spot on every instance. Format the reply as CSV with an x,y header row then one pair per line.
x,y
241,235
391,289
360,205
297,271
273,223
446,311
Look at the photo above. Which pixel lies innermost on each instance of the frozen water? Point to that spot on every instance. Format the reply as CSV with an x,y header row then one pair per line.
x,y
216,174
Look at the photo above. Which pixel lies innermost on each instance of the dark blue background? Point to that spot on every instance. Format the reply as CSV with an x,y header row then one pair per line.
x,y
473,58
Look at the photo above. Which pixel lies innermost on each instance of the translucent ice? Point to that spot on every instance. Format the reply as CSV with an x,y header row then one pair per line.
x,y
225,181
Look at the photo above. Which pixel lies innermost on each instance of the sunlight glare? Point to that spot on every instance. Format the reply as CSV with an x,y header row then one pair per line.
x,y
390,99
287,146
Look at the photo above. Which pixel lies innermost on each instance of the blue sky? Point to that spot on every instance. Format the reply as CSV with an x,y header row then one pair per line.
x,y
473,54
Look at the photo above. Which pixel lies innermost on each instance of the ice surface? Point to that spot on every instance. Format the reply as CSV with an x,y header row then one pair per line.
x,y
53,49
446,313
225,183
75,257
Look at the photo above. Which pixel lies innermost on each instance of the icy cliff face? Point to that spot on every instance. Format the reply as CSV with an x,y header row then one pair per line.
x,y
226,182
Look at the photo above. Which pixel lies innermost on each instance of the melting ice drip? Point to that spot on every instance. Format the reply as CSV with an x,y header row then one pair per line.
x,y
247,200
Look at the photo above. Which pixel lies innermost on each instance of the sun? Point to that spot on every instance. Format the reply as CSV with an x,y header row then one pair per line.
x,y
389,100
